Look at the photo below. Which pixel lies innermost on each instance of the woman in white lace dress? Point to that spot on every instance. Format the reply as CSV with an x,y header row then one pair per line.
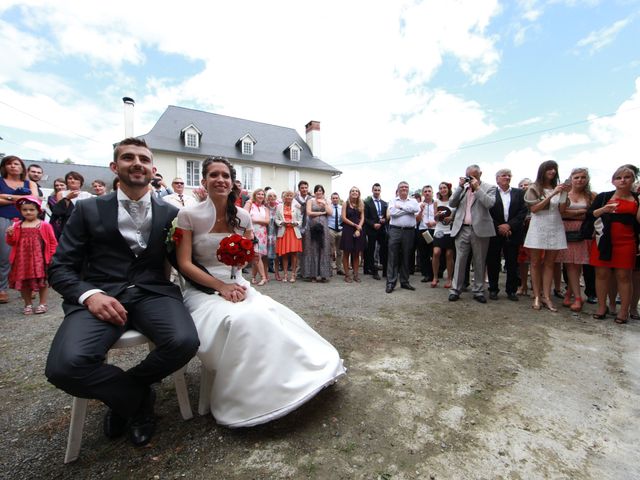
x,y
545,237
267,361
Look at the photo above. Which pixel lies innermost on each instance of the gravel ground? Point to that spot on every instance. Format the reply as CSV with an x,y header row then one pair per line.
x,y
434,390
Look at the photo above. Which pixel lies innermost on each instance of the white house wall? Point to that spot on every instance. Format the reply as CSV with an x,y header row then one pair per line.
x,y
276,177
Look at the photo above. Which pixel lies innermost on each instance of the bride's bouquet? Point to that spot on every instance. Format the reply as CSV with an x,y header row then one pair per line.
x,y
235,251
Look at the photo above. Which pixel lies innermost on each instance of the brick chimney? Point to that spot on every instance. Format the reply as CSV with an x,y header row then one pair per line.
x,y
128,116
313,137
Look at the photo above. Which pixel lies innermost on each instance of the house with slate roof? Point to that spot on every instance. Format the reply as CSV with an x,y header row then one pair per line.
x,y
263,154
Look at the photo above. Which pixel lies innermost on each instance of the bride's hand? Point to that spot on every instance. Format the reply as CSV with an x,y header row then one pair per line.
x,y
233,292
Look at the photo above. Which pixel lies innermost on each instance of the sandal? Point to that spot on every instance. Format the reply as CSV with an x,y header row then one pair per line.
x,y
621,321
434,283
601,316
253,280
27,310
42,308
447,285
284,280
293,278
634,316
261,282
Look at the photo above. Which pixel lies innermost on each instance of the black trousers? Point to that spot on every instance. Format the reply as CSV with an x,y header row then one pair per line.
x,y
76,359
380,237
499,246
425,254
400,254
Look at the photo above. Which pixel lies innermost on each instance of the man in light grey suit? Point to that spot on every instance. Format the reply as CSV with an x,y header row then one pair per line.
x,y
472,228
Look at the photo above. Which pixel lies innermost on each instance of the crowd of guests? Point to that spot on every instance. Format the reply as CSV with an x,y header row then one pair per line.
x,y
544,228
538,233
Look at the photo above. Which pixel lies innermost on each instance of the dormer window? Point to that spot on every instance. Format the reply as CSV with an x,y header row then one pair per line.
x,y
294,151
246,143
191,140
191,136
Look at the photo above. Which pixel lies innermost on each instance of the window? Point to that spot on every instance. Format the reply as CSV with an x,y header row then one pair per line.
x,y
295,154
191,140
247,147
247,178
193,173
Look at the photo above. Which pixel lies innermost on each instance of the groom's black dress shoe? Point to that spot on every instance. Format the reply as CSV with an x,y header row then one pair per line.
x,y
453,297
407,286
143,423
389,288
114,425
480,298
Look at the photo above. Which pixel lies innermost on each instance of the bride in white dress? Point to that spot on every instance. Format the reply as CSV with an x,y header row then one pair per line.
x,y
267,360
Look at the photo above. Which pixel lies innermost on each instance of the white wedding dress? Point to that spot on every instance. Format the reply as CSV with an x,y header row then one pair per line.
x,y
267,360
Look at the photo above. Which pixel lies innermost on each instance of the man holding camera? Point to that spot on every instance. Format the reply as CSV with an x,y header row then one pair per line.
x,y
160,189
472,229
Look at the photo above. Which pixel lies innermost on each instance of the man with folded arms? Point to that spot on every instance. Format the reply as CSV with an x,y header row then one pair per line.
x,y
402,224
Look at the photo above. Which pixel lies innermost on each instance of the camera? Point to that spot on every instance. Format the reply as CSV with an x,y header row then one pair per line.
x,y
467,179
155,182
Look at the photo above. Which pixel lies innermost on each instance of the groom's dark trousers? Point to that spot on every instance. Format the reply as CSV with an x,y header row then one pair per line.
x,y
92,254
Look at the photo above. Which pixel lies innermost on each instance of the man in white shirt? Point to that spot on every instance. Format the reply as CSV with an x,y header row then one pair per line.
x,y
426,222
178,198
335,232
110,270
402,224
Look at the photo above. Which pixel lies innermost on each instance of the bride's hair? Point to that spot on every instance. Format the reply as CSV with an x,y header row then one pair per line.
x,y
232,210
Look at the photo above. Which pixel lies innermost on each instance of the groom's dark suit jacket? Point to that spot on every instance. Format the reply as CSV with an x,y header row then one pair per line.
x,y
93,254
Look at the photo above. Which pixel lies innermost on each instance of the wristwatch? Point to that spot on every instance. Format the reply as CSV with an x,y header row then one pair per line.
x,y
10,198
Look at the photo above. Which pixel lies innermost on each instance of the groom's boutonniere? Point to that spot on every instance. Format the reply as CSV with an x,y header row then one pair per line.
x,y
174,236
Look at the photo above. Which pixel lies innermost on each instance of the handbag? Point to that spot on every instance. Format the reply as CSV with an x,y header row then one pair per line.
x,y
427,237
574,236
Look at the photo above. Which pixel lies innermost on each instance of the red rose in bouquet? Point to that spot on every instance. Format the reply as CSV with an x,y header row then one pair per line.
x,y
235,251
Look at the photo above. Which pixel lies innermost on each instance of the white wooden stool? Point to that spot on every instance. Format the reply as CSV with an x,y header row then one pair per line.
x,y
130,338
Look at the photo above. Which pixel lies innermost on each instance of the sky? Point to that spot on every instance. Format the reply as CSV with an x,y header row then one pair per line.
x,y
404,90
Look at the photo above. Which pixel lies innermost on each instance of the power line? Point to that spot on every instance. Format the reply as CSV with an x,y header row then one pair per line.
x,y
51,124
491,142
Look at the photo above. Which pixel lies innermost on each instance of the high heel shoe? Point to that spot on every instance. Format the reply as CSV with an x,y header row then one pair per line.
x,y
434,283
547,303
566,301
601,316
577,305
536,303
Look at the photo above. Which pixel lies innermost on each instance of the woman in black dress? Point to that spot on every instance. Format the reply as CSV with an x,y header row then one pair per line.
x,y
352,243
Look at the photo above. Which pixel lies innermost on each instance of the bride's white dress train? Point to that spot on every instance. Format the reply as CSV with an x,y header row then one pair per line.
x,y
267,360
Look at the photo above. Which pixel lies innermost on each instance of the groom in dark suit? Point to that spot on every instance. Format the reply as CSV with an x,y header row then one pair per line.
x,y
508,215
110,269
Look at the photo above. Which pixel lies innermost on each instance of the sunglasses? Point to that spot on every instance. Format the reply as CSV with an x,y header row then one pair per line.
x,y
178,183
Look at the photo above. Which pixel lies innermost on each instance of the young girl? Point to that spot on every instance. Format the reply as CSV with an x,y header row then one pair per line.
x,y
34,244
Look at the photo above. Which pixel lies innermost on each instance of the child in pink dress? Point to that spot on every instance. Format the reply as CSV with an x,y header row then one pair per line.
x,y
33,245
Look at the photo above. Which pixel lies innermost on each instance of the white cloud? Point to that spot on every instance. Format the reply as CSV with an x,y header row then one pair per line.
x,y
552,143
599,39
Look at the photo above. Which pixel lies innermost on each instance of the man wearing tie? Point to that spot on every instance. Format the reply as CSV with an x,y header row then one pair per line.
x,y
508,215
375,222
110,268
472,229
335,231
178,198
160,189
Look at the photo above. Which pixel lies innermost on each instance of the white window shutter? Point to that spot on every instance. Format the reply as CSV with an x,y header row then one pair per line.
x,y
181,168
238,173
257,178
293,180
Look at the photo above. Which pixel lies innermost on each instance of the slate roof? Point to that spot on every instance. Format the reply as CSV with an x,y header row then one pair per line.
x,y
220,134
53,170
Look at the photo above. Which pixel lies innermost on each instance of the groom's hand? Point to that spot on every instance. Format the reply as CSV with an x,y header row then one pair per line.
x,y
106,308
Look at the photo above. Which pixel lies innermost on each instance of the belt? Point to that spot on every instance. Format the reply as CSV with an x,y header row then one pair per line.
x,y
467,225
402,228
